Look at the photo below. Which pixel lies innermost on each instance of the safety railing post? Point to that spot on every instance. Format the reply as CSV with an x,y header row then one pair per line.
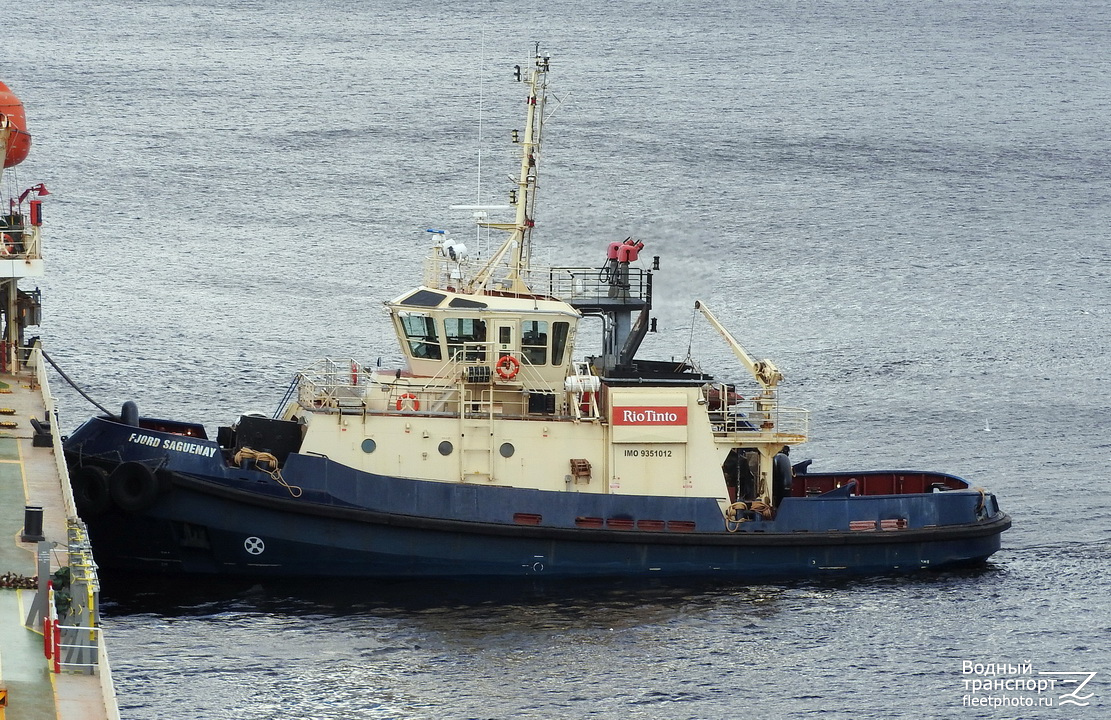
x,y
57,647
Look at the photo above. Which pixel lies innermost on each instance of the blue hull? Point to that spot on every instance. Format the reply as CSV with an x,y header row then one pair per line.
x,y
201,515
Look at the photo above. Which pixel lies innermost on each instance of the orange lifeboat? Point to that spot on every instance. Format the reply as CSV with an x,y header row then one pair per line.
x,y
19,140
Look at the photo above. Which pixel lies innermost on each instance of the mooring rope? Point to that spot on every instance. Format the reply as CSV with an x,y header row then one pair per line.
x,y
734,514
74,385
267,463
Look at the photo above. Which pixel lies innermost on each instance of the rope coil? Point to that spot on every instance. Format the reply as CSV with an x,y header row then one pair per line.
x,y
734,513
267,463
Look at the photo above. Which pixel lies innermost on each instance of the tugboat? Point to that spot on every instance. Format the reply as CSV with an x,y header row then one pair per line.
x,y
494,452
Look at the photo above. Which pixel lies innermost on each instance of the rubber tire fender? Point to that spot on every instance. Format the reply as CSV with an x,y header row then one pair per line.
x,y
133,487
781,476
91,491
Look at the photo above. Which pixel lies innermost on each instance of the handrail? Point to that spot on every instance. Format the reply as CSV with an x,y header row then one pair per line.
x,y
35,360
22,242
578,285
782,424
289,393
81,653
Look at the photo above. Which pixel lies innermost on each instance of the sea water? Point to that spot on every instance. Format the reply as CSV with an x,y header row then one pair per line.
x,y
905,206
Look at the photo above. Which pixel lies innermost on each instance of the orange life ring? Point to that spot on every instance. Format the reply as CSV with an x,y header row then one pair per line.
x,y
507,367
408,396
7,246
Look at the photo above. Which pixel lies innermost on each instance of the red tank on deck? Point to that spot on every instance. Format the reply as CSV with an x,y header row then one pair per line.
x,y
19,140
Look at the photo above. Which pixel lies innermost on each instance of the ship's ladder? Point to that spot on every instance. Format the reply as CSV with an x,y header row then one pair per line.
x,y
476,434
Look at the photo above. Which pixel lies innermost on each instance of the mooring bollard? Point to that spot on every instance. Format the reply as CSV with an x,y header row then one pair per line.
x,y
32,524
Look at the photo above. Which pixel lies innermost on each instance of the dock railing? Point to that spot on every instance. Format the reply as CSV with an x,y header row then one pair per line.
x,y
81,639
77,646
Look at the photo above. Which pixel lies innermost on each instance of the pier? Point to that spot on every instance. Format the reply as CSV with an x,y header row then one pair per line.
x,y
53,662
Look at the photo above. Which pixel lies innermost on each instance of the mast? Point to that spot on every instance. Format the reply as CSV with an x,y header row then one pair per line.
x,y
516,251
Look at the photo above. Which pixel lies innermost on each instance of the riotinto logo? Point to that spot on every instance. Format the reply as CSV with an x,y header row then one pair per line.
x,y
649,416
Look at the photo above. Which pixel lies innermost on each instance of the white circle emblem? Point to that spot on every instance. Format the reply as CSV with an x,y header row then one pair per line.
x,y
254,545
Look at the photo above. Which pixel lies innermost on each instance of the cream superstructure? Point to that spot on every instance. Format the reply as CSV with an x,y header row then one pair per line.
x,y
492,392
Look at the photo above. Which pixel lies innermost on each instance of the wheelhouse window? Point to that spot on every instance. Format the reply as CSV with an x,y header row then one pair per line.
x,y
466,338
559,341
420,331
534,341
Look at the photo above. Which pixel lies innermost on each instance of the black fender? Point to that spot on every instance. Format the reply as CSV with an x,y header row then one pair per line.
x,y
90,491
782,476
134,487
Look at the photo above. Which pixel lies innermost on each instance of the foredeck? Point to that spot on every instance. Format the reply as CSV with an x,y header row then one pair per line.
x,y
32,474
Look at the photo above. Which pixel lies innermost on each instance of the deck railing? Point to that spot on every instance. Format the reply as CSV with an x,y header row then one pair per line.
x,y
746,420
572,284
21,240
332,383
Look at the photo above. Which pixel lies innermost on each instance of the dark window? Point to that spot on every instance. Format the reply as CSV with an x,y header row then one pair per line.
x,y
559,341
465,303
420,330
466,338
424,298
534,341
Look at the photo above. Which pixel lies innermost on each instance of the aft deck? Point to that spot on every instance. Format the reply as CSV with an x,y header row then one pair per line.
x,y
876,483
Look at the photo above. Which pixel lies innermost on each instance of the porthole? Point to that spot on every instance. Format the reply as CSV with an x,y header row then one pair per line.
x,y
445,448
369,445
506,450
